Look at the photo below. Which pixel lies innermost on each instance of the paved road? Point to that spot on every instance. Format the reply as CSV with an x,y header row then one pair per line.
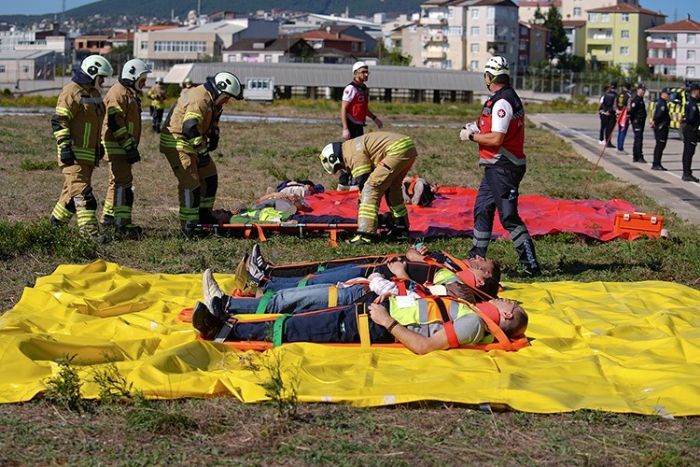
x,y
667,188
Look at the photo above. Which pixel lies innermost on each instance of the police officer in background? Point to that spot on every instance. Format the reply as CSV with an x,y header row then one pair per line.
x,y
660,122
606,109
637,117
623,101
690,123
500,133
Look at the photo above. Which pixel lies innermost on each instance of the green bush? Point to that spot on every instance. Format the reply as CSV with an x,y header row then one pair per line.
x,y
17,239
64,388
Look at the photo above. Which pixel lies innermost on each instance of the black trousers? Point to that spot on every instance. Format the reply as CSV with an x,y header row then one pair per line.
x,y
661,136
638,128
607,125
157,119
690,142
499,191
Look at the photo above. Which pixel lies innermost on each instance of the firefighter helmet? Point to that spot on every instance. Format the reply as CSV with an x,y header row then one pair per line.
x,y
132,72
228,84
96,65
331,157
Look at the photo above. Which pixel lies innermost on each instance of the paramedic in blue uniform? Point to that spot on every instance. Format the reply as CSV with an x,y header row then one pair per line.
x,y
660,122
637,118
606,110
500,134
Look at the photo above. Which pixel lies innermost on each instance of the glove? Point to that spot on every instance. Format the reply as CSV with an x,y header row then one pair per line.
x,y
464,134
378,122
132,154
203,158
346,134
473,127
67,156
213,139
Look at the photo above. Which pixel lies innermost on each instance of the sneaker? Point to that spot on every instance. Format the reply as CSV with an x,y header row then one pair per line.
x,y
210,289
658,167
690,178
205,322
361,239
620,151
257,258
610,145
255,274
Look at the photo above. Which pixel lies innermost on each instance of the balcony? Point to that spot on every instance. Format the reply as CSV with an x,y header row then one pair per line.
x,y
433,21
434,38
651,61
433,55
599,36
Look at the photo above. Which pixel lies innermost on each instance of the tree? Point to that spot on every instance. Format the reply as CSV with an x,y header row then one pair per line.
x,y
539,17
558,42
392,57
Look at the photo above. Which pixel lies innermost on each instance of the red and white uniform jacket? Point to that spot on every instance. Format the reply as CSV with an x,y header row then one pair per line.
x,y
358,96
503,112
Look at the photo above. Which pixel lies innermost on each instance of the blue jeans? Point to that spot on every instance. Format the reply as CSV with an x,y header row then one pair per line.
x,y
297,299
336,325
329,276
621,134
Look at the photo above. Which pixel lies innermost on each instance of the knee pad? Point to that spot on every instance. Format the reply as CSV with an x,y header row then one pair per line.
x,y
86,199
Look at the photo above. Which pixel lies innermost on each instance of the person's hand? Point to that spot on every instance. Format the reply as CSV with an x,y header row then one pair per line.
x,y
464,134
412,254
378,122
398,268
132,154
379,315
213,139
203,158
346,134
67,155
381,298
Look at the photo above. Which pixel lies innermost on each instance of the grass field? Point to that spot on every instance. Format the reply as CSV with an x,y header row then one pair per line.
x,y
251,158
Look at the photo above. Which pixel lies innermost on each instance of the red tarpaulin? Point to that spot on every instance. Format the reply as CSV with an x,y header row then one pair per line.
x,y
451,214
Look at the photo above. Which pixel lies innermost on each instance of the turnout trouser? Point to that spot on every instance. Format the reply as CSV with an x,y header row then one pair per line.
x,y
77,197
499,191
196,186
661,136
386,179
119,199
690,142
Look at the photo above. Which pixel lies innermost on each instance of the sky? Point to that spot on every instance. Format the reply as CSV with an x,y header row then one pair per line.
x,y
671,8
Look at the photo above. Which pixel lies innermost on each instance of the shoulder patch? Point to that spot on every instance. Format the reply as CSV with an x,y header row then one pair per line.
x,y
501,113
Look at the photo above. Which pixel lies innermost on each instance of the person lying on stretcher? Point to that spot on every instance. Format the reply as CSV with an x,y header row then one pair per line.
x,y
422,266
320,296
422,324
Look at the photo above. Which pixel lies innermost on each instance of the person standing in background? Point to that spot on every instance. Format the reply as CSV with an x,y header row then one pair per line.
x,y
637,117
623,101
606,110
660,122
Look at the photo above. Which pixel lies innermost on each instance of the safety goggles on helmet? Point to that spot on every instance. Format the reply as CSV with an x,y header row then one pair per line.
x,y
96,65
228,83
331,159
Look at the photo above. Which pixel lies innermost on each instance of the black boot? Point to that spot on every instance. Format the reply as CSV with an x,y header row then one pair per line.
x,y
205,322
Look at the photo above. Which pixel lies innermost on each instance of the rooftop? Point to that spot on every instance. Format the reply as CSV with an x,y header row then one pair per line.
x,y
24,54
319,34
686,25
626,8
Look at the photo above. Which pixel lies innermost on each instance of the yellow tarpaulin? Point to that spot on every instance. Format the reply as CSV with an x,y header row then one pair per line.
x,y
621,347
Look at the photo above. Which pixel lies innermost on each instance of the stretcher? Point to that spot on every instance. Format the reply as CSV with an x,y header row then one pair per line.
x,y
262,230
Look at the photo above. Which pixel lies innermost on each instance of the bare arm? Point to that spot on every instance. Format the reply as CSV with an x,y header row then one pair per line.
x,y
343,114
413,341
490,139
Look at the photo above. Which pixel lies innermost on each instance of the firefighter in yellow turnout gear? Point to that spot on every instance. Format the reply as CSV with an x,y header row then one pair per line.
x,y
121,134
190,132
157,94
378,161
76,126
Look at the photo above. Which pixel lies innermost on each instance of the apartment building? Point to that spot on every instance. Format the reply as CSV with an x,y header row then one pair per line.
x,y
576,33
462,34
532,44
272,50
569,9
162,48
674,49
615,35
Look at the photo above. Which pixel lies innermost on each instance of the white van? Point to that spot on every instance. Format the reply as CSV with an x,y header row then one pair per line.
x,y
259,89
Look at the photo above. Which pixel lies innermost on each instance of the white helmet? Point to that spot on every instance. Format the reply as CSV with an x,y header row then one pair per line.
x,y
133,70
159,80
228,84
331,157
497,66
96,65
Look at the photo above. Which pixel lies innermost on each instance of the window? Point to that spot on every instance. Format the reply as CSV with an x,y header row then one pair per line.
x,y
354,46
475,13
454,31
690,71
490,30
691,38
625,34
690,55
491,12
2,68
475,30
624,50
475,48
268,58
593,17
605,18
448,64
474,65
180,46
625,17
144,45
607,50
232,58
577,11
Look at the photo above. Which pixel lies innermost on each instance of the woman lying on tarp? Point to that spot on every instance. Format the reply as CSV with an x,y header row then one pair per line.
x,y
421,323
